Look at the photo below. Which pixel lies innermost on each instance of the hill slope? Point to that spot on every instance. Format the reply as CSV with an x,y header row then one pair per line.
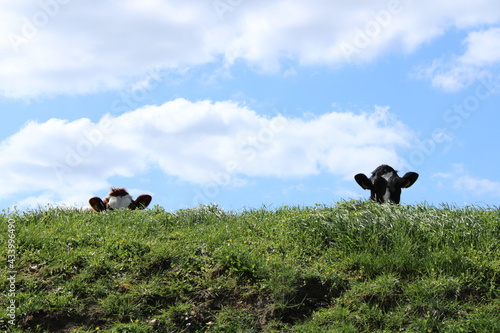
x,y
353,267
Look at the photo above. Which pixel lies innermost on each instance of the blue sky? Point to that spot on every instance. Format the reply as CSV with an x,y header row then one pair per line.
x,y
247,103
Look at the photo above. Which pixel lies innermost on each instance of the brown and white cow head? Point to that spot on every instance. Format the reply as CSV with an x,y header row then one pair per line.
x,y
119,198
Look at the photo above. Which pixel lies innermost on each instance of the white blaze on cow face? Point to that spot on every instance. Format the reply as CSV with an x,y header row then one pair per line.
x,y
119,202
387,194
388,175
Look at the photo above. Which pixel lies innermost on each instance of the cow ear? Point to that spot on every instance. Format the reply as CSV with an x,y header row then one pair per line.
x,y
408,179
97,204
363,181
143,201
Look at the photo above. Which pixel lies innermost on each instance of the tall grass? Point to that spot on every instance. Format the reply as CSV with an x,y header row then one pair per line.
x,y
353,267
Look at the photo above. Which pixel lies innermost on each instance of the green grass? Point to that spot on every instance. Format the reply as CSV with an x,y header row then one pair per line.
x,y
353,267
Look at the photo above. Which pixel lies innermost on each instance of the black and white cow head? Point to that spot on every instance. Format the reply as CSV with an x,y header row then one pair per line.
x,y
119,198
385,185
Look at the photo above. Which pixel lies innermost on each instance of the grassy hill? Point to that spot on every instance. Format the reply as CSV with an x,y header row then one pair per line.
x,y
353,267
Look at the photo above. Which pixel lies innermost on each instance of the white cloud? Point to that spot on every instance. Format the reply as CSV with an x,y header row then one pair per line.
x,y
480,59
198,142
483,48
57,47
461,180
